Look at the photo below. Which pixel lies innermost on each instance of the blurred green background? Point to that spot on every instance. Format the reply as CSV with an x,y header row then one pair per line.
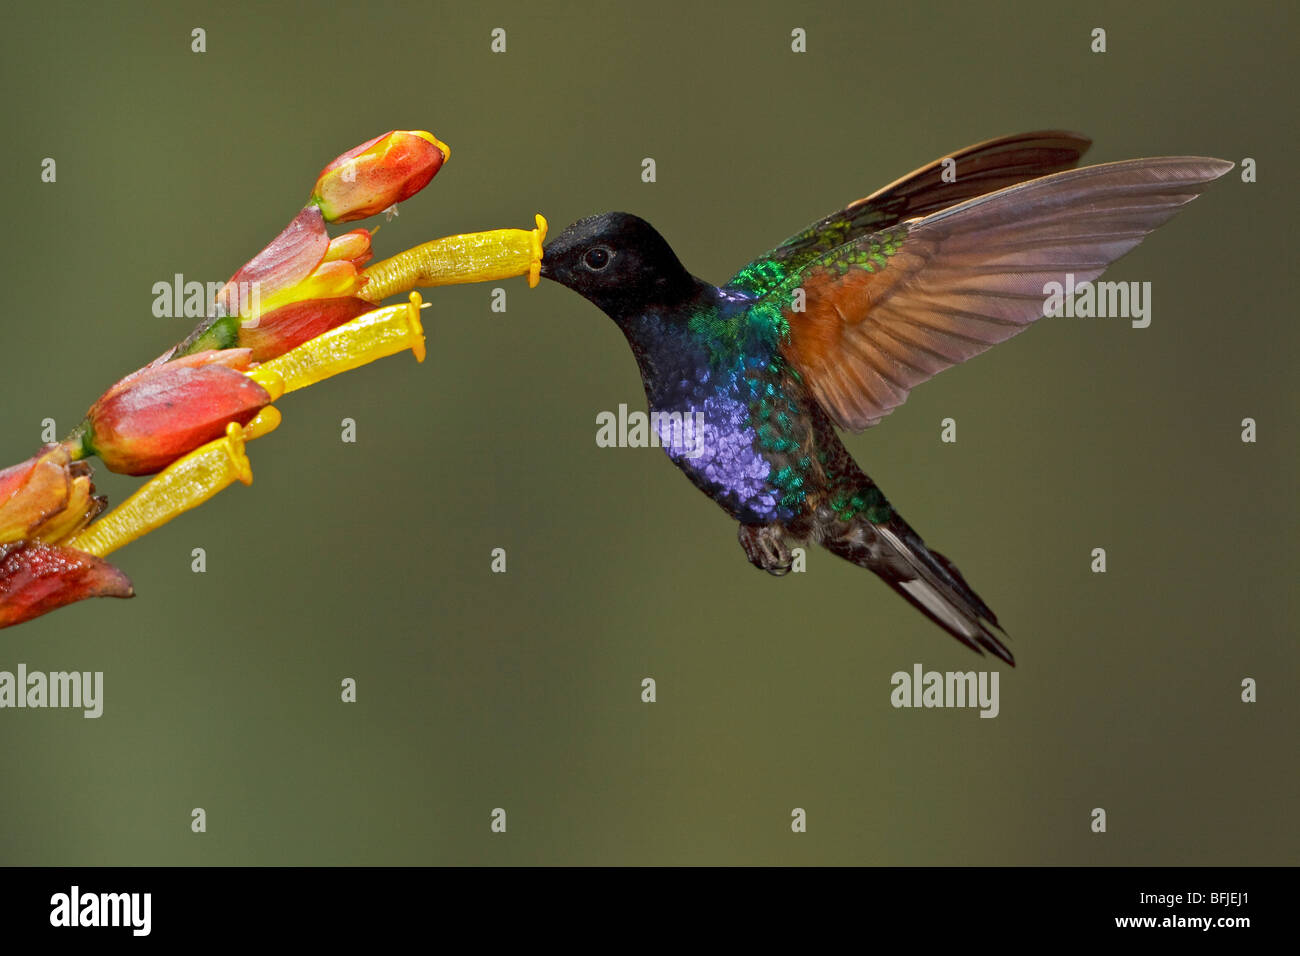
x,y
522,691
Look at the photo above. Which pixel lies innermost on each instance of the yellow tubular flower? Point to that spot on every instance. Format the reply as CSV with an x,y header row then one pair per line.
x,y
472,257
182,485
368,337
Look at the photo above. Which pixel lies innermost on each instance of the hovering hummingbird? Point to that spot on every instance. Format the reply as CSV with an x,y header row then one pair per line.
x,y
837,324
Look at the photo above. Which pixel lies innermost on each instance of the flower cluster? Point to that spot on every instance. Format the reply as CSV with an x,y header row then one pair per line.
x,y
302,309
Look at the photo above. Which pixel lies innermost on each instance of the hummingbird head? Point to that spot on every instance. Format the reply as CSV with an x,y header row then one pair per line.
x,y
619,263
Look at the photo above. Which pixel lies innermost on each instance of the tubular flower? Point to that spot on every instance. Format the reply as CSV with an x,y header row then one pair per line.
x,y
152,417
366,338
471,257
377,174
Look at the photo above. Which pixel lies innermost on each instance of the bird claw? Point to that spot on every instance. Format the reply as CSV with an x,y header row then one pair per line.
x,y
765,547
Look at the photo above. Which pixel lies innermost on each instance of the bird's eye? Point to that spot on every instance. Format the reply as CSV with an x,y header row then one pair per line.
x,y
597,258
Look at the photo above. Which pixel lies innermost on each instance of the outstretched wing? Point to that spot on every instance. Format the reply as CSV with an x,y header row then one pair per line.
x,y
887,311
975,170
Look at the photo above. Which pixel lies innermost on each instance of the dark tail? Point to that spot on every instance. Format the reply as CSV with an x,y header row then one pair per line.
x,y
926,578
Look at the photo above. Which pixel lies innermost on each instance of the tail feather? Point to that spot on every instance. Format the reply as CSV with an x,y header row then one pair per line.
x,y
928,580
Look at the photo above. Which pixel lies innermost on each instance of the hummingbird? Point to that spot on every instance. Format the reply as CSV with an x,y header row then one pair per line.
x,y
748,382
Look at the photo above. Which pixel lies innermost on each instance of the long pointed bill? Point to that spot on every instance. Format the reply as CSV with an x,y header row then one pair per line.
x,y
471,257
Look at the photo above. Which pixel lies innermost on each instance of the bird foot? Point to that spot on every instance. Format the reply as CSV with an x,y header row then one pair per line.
x,y
765,547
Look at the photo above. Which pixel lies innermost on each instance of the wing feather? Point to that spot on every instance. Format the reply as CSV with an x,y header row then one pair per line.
x,y
889,310
974,171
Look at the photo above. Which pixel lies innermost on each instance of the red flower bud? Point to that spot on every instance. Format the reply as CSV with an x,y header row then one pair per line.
x,y
290,325
386,170
152,417
36,578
